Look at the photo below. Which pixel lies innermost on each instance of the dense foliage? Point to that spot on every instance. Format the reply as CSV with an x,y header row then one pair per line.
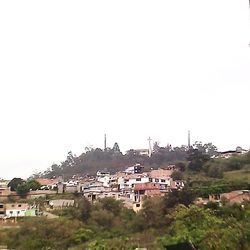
x,y
107,224
113,160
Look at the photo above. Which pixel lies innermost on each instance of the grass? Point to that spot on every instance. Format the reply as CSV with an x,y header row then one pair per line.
x,y
238,175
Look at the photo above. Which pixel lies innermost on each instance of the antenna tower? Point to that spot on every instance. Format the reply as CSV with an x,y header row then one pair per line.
x,y
189,145
105,142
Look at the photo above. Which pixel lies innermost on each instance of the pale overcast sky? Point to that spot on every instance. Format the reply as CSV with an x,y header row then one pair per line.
x,y
71,71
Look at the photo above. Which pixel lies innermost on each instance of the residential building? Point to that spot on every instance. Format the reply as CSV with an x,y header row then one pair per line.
x,y
60,204
145,189
237,196
15,209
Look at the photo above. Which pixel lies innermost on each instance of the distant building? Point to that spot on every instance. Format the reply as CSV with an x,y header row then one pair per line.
x,y
230,153
237,196
16,209
135,169
60,204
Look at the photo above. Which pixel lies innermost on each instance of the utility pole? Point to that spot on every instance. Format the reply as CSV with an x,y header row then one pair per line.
x,y
105,142
189,144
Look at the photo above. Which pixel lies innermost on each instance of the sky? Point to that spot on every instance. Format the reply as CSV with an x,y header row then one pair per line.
x,y
71,71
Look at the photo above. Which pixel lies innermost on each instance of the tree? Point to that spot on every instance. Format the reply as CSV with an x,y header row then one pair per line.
x,y
180,166
116,148
210,149
111,205
14,183
177,175
176,197
196,159
23,189
190,224
33,185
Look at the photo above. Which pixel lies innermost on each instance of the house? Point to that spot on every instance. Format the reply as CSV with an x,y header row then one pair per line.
x,y
93,190
177,184
127,182
143,151
135,169
2,210
237,196
161,176
47,184
15,209
146,189
230,153
4,190
60,204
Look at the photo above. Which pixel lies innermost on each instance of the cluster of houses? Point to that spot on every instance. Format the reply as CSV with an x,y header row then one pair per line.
x,y
130,186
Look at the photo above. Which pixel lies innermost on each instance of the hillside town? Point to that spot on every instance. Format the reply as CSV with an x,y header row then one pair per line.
x,y
130,186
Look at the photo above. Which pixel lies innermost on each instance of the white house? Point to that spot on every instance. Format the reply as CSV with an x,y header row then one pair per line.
x,y
15,209
127,182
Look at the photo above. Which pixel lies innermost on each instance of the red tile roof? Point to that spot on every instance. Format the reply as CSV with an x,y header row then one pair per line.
x,y
160,173
146,186
47,182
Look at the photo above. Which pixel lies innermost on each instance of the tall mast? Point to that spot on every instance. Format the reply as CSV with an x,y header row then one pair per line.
x,y
105,142
189,145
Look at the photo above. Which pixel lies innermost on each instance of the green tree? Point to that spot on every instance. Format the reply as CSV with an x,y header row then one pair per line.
x,y
14,183
196,159
116,148
190,224
177,175
176,197
23,189
33,185
111,205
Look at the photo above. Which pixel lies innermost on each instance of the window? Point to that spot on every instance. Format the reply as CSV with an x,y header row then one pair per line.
x,y
1,205
156,180
19,205
150,179
138,179
138,205
12,205
162,180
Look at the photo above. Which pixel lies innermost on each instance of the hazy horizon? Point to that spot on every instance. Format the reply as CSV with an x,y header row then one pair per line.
x,y
73,71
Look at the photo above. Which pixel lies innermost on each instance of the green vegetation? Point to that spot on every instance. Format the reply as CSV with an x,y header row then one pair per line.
x,y
23,187
238,175
164,221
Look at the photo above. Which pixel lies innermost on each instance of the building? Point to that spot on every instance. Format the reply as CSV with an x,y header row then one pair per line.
x,y
237,196
2,210
16,209
47,184
145,189
60,204
135,169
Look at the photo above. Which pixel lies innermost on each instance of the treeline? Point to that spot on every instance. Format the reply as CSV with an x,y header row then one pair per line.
x,y
113,160
162,222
